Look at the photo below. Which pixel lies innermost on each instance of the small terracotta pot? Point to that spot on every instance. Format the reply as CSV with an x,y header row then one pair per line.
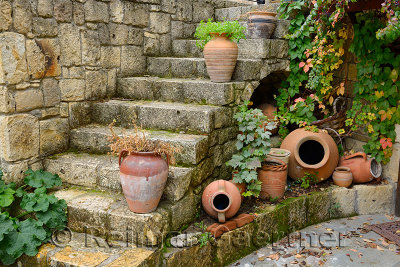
x,y
143,177
314,153
273,177
241,186
363,168
220,55
280,154
221,200
342,176
269,111
261,24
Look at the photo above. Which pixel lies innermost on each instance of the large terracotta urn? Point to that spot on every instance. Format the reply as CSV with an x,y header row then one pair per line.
x,y
363,168
311,152
221,200
143,177
220,55
273,177
261,24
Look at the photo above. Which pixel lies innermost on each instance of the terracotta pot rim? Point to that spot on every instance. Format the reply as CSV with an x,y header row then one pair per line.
x,y
314,166
263,12
287,152
343,169
221,193
144,153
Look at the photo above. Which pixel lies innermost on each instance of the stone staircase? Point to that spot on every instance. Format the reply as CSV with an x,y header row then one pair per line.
x,y
177,103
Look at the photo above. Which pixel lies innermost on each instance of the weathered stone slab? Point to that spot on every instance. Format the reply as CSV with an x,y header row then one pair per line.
x,y
7,101
72,89
343,202
51,92
22,16
136,14
96,84
184,211
391,169
96,11
63,10
90,48
42,57
132,60
374,199
160,22
79,114
70,45
45,8
28,100
54,135
44,27
13,67
5,15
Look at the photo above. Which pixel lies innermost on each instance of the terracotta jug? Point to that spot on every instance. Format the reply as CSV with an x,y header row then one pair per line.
x,y
221,200
311,152
220,55
143,177
342,176
261,24
273,177
363,168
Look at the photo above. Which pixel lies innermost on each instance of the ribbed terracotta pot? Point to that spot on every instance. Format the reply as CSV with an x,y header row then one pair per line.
x,y
221,200
220,55
273,177
261,24
342,176
314,153
363,168
143,177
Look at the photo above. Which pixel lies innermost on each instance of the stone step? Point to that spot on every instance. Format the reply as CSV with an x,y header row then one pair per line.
x,y
197,91
94,139
248,49
102,171
162,115
240,12
106,214
246,69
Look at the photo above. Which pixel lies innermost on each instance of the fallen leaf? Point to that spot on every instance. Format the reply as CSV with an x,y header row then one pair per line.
x,y
329,229
367,240
298,256
262,258
274,256
353,250
379,248
321,263
372,245
294,262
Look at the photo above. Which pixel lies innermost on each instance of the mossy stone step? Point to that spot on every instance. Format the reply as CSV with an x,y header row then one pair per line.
x,y
94,139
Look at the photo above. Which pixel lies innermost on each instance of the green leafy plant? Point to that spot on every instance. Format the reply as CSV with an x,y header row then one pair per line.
x,y
205,236
39,214
233,30
307,180
253,144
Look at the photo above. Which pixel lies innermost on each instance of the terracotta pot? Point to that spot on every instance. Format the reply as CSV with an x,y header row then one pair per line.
x,y
241,187
261,24
363,168
342,176
220,55
314,153
221,200
143,177
280,154
269,111
273,177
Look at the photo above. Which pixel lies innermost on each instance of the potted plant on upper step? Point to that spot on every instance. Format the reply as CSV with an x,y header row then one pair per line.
x,y
253,144
220,50
143,170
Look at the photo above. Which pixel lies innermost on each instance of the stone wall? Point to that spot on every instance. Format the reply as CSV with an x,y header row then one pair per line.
x,y
57,56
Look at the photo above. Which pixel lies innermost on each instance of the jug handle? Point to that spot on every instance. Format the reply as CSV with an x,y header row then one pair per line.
x,y
221,188
122,156
356,155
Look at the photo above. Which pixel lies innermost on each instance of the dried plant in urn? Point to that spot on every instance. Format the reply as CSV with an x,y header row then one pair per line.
x,y
143,168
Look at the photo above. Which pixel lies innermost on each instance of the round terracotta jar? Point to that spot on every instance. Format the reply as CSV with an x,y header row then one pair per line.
x,y
220,55
311,152
363,168
273,177
143,177
221,200
342,176
261,24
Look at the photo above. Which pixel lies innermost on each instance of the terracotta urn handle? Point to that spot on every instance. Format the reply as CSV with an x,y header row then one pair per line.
x,y
221,188
358,154
122,155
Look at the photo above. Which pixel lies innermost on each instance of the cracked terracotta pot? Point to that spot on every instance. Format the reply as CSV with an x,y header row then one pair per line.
x,y
342,176
314,153
363,168
143,177
220,55
221,200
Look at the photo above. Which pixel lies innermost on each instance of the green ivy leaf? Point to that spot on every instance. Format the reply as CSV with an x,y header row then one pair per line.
x,y
41,178
55,217
6,225
37,201
6,194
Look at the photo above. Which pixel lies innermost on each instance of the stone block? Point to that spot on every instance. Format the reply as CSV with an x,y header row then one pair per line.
x,y
353,144
116,11
96,84
63,10
19,137
151,44
184,211
110,57
44,27
54,135
15,171
279,49
51,92
64,112
111,82
132,61
184,11
13,67
70,45
177,184
343,202
168,6
104,34
7,101
96,11
202,11
78,13
42,57
374,199
79,114
160,22
90,47
118,34
282,29
28,99
136,88
391,169
22,16
72,89
45,8
136,14
5,15
135,36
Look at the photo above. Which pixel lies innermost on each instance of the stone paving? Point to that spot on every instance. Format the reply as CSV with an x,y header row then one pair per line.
x,y
356,246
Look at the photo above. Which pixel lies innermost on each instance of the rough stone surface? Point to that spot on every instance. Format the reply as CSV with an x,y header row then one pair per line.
x,y
7,101
5,15
63,10
136,14
45,8
159,22
19,137
13,67
51,92
184,211
132,60
54,135
391,169
96,11
44,27
72,89
28,99
70,45
79,114
22,16
374,199
344,201
96,85
110,56
90,48
42,58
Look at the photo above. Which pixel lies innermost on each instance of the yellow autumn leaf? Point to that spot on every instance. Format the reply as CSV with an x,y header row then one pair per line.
x,y
331,100
379,94
341,131
370,128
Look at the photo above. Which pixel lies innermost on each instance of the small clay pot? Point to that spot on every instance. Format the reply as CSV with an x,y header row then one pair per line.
x,y
279,153
342,176
261,24
273,177
221,200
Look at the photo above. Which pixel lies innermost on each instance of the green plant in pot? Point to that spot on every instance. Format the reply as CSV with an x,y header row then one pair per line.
x,y
218,39
253,144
